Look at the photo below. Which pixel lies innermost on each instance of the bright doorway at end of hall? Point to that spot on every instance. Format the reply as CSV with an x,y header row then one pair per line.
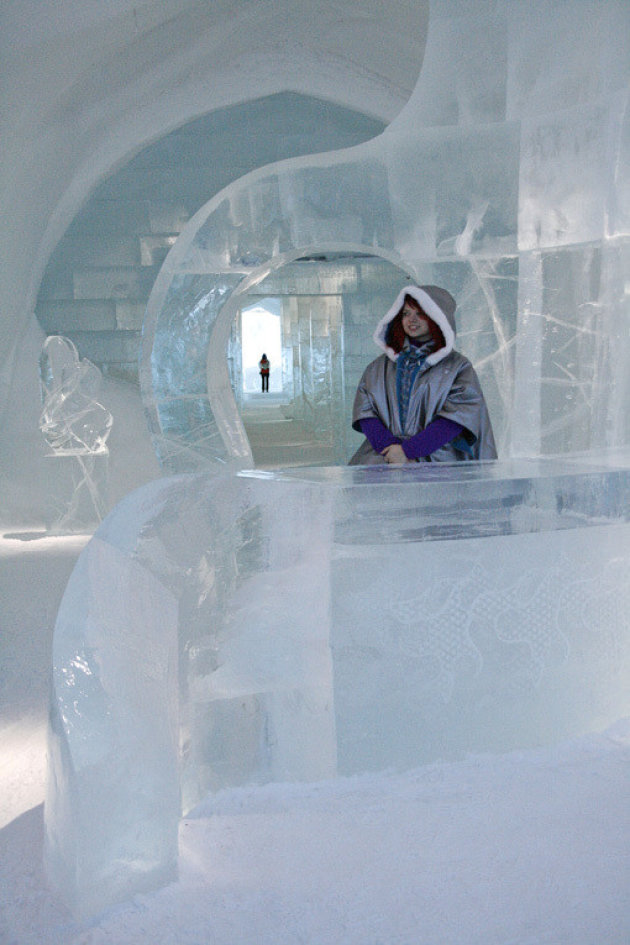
x,y
261,333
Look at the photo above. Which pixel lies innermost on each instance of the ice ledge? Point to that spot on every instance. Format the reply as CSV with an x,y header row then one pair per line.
x,y
431,501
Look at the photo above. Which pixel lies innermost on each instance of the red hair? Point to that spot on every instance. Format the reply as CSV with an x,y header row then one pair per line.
x,y
395,334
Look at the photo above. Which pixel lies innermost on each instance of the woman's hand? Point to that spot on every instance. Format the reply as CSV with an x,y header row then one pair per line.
x,y
394,454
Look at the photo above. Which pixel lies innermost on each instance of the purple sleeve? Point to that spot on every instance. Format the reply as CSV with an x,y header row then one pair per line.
x,y
377,434
435,434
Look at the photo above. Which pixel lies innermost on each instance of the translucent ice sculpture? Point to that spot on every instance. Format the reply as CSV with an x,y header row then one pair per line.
x,y
76,427
72,420
221,630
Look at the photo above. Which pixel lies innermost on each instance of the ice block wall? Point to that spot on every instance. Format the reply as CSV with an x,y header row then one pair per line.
x,y
505,178
574,222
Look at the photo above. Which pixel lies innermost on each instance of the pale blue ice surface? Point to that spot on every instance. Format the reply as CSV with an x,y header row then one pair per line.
x,y
226,627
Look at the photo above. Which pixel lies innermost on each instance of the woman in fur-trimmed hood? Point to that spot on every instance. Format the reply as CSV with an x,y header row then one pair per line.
x,y
421,400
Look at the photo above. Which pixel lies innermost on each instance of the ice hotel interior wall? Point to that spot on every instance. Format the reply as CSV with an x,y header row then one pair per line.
x,y
514,193
568,87
523,186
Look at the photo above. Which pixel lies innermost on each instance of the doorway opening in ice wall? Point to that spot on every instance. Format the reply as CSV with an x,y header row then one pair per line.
x,y
261,334
313,318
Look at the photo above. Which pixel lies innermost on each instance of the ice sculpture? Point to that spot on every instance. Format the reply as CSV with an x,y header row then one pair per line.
x,y
225,629
72,420
76,427
299,624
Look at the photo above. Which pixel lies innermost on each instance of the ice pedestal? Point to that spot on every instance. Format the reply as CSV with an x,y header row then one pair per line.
x,y
252,627
77,491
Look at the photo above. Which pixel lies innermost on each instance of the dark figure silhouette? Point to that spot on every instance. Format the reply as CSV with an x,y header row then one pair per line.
x,y
264,367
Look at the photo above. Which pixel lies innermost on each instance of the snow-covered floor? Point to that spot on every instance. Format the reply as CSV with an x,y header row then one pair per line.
x,y
531,847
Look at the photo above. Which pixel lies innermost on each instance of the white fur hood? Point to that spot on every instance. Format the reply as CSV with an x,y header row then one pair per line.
x,y
438,304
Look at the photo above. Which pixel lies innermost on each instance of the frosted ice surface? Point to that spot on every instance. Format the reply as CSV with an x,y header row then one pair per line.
x,y
113,803
227,629
212,667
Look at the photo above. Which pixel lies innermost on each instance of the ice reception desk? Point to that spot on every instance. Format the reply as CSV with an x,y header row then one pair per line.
x,y
302,624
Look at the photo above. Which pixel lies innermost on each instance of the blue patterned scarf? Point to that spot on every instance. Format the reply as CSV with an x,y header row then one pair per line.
x,y
409,362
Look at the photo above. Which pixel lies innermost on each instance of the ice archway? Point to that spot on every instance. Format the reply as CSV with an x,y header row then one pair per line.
x,y
521,211
360,203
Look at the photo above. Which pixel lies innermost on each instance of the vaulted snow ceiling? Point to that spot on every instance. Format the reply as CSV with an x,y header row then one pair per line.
x,y
89,86
98,279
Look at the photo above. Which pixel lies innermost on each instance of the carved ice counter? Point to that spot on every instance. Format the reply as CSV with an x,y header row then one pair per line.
x,y
306,623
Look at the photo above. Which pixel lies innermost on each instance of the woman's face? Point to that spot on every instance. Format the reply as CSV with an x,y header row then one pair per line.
x,y
415,322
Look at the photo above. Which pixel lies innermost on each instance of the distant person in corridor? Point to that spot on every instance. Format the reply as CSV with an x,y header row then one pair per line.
x,y
264,367
421,400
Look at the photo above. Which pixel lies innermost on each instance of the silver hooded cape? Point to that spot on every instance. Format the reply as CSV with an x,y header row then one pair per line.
x,y
445,386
